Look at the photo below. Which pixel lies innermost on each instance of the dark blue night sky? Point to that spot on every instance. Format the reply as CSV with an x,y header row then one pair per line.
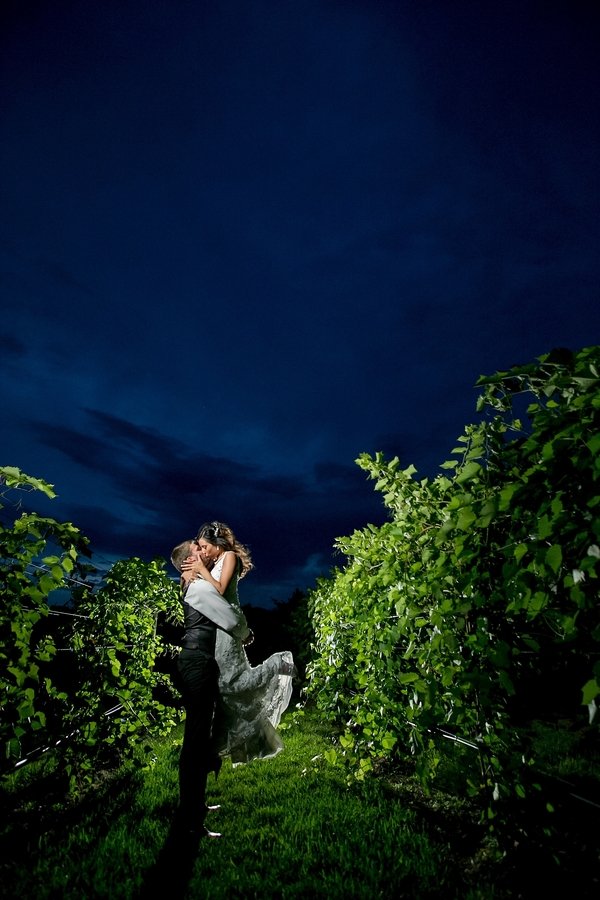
x,y
244,241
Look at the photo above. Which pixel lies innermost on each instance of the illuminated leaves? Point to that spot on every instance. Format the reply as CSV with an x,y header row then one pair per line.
x,y
480,577
29,579
114,642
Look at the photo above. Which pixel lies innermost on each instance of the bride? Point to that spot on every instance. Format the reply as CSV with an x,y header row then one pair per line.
x,y
252,698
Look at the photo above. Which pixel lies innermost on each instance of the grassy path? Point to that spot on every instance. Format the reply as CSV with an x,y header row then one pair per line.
x,y
291,828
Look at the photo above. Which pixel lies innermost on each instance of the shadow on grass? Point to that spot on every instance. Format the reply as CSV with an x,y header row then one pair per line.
x,y
174,865
37,819
43,809
544,843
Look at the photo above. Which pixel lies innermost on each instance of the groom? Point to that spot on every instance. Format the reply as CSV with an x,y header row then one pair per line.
x,y
204,610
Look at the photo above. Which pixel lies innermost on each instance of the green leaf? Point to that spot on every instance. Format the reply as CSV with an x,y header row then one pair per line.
x,y
593,444
544,527
449,464
466,517
548,451
554,557
506,495
408,677
520,551
47,584
590,691
468,472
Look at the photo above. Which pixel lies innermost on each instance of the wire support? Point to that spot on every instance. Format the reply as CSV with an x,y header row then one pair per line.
x,y
40,751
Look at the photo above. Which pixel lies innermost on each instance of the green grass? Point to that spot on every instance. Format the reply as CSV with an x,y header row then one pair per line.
x,y
291,828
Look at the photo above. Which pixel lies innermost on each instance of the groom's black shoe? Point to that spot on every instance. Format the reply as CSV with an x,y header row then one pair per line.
x,y
193,830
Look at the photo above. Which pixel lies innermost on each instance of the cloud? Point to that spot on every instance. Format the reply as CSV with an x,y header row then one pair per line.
x,y
53,272
11,348
241,249
148,491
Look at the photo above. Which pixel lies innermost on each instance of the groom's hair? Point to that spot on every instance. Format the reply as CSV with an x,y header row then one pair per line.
x,y
179,553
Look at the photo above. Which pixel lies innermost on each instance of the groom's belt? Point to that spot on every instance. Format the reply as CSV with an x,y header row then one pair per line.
x,y
206,645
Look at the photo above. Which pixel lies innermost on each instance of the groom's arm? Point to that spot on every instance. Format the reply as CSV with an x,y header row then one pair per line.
x,y
205,598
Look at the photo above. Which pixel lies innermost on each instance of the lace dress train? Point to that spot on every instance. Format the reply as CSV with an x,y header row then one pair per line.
x,y
252,699
251,703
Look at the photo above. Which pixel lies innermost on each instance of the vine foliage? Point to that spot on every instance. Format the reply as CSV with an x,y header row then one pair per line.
x,y
105,693
459,612
38,557
123,699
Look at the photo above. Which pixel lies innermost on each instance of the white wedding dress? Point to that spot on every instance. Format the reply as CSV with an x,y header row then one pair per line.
x,y
252,698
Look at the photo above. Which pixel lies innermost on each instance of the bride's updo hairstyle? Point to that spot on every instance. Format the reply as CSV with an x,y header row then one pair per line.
x,y
220,535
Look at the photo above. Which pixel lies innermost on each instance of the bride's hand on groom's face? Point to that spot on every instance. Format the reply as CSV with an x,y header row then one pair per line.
x,y
192,567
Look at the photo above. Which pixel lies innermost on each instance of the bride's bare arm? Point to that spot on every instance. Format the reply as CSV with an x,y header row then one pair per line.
x,y
227,570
